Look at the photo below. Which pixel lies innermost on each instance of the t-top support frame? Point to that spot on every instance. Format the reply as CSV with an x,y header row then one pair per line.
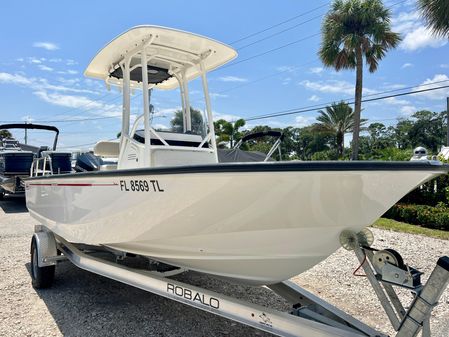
x,y
178,69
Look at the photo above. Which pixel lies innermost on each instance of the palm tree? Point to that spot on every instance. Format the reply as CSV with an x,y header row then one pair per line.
x,y
337,119
228,131
436,15
5,134
354,30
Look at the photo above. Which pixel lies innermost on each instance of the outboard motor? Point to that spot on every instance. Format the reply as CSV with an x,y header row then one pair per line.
x,y
420,153
87,162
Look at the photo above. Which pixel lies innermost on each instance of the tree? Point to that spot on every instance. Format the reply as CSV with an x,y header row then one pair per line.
x,y
353,31
5,134
227,131
307,141
380,136
337,119
429,130
177,123
436,16
401,134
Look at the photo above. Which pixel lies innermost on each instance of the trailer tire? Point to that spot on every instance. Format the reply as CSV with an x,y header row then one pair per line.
x,y
2,195
41,277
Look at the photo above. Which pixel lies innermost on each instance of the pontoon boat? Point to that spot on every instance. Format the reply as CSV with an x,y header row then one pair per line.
x,y
16,159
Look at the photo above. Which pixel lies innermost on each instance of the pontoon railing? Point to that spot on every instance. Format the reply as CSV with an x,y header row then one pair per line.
x,y
36,170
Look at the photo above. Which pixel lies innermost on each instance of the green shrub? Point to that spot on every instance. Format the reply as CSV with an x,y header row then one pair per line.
x,y
422,215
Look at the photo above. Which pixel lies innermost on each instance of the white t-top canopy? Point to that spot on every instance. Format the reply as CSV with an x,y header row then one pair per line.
x,y
168,51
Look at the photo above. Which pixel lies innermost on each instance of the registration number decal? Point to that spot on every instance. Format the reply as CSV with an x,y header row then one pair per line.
x,y
138,185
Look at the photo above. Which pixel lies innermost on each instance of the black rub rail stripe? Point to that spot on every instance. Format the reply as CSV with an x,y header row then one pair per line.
x,y
261,167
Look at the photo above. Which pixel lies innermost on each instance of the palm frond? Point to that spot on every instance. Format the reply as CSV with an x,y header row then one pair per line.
x,y
436,16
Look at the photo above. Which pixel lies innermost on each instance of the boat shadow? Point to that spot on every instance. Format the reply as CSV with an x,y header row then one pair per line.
x,y
13,204
86,304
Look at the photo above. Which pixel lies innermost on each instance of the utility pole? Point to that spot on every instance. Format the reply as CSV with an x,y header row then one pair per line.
x,y
447,116
26,134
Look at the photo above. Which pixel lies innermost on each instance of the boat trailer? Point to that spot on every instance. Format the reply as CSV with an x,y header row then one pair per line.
x,y
309,315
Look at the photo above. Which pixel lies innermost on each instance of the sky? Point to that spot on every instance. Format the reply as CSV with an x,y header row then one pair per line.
x,y
48,44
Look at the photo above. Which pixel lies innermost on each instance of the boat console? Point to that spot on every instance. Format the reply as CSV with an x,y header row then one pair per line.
x,y
150,57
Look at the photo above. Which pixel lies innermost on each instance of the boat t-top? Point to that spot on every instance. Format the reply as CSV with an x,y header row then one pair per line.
x,y
170,200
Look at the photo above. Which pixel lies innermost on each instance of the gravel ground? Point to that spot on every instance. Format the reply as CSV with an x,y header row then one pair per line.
x,y
84,304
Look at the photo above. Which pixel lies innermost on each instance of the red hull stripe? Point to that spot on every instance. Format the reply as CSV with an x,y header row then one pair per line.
x,y
78,184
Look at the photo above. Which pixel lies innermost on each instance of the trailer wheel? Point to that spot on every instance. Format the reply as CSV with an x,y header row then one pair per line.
x,y
2,195
41,277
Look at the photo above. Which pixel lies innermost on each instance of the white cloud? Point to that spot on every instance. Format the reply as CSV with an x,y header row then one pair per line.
x,y
415,34
316,70
393,86
27,119
69,72
232,79
288,69
44,67
406,65
14,79
405,21
302,121
46,45
38,84
286,81
225,116
80,102
421,37
444,66
395,101
439,94
314,98
65,81
333,87
167,111
66,100
407,111
217,95
70,62
34,60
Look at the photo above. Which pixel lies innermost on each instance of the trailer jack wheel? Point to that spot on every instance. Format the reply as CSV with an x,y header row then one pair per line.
x,y
41,277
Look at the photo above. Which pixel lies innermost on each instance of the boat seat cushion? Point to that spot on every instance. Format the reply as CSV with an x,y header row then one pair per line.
x,y
107,148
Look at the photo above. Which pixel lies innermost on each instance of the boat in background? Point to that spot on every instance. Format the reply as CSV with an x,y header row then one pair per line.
x,y
170,200
16,159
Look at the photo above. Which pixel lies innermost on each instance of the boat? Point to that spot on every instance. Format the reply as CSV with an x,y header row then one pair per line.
x,y
169,199
16,159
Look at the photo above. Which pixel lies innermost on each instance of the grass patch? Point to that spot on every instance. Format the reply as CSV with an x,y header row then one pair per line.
x,y
403,227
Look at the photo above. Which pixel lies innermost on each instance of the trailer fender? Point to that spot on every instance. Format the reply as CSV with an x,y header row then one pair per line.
x,y
46,247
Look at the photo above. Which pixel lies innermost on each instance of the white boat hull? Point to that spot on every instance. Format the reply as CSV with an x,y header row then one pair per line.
x,y
256,227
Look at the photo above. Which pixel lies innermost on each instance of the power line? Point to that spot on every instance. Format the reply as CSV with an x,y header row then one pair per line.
x,y
319,105
80,145
281,32
269,51
79,119
293,112
279,24
231,64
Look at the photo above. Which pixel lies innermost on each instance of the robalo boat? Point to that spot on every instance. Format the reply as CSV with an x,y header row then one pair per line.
x,y
170,199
